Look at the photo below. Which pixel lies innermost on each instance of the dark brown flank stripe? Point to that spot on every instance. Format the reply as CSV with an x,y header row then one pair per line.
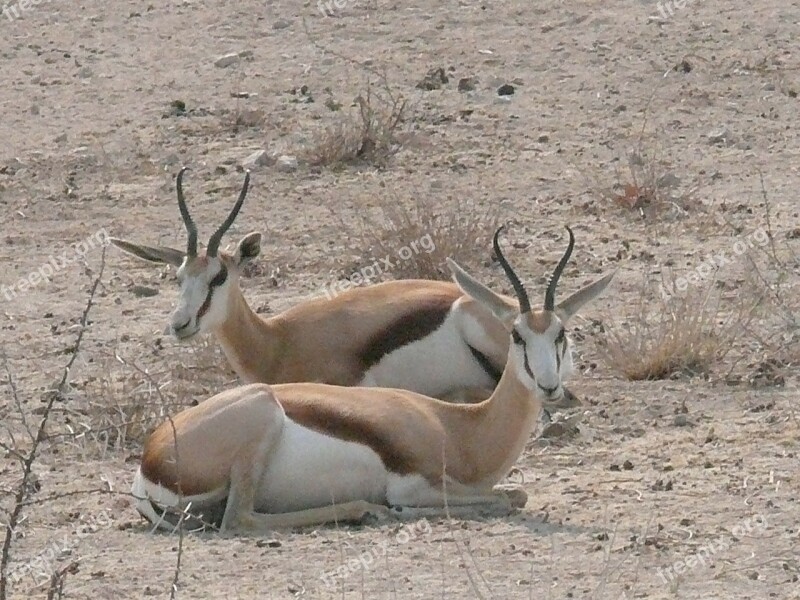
x,y
353,428
405,330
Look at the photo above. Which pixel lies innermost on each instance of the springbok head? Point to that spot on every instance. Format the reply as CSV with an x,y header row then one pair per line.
x,y
543,354
207,278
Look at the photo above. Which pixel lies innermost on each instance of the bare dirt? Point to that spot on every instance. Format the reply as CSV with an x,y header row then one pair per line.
x,y
694,474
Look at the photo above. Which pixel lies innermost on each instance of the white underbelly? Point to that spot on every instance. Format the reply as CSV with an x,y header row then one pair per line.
x,y
308,469
435,365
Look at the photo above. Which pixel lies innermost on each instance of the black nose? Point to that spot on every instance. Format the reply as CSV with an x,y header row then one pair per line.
x,y
183,325
547,390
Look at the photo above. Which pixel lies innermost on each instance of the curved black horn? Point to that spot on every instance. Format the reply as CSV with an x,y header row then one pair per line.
x,y
550,294
522,295
214,240
191,228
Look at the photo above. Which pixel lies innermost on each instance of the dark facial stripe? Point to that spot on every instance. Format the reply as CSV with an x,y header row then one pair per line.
x,y
218,280
353,427
519,340
491,370
407,329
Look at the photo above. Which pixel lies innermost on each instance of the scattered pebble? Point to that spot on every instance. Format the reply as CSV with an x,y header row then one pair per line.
x,y
721,136
467,84
259,158
227,60
680,420
505,90
287,163
434,80
142,291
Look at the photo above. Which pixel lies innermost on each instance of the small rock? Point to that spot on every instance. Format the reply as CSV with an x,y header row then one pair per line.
x,y
85,73
543,139
683,67
286,163
627,465
177,108
433,80
668,180
259,158
721,136
467,84
505,90
227,60
281,24
60,138
680,420
142,291
11,167
250,117
268,544
554,430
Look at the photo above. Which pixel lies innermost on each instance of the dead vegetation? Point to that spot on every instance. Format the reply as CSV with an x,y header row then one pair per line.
x,y
647,186
128,400
25,451
674,336
369,135
416,235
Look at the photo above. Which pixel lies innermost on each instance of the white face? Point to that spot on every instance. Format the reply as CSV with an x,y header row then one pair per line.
x,y
544,354
203,301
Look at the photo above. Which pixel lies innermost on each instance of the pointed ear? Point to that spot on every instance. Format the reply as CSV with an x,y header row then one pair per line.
x,y
156,254
482,294
248,248
567,309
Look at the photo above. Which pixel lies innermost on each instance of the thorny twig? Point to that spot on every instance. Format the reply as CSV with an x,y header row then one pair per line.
x,y
40,435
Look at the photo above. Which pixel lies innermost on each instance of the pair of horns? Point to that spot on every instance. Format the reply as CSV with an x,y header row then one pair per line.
x,y
191,228
522,295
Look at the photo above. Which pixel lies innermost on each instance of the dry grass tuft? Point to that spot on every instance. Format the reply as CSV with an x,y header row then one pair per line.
x,y
677,336
369,136
126,403
417,235
649,188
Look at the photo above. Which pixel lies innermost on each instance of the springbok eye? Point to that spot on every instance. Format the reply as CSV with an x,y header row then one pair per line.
x,y
516,337
561,337
219,278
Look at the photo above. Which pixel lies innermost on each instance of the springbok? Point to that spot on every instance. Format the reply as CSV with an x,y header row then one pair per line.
x,y
417,335
299,454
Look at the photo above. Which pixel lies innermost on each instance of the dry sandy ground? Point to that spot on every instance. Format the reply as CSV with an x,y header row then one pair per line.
x,y
90,145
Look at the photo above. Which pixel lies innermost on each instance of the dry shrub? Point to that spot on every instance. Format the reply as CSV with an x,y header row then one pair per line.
x,y
371,135
126,403
674,336
649,188
418,235
773,268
